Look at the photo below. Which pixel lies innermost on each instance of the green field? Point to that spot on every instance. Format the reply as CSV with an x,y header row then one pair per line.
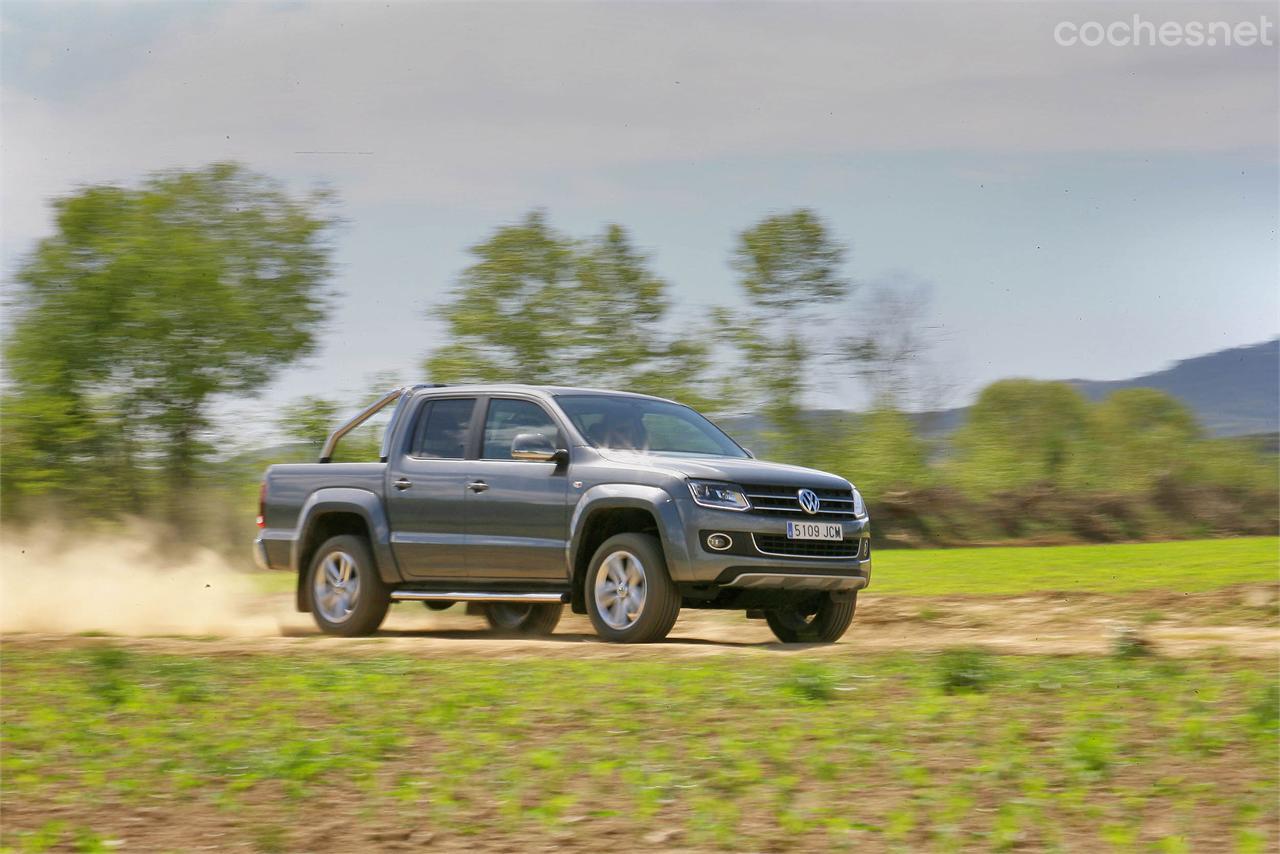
x,y
1185,565
1188,565
959,750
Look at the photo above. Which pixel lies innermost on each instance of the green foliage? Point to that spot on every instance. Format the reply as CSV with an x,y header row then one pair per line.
x,y
708,750
1036,458
145,305
1234,463
1142,436
880,453
965,670
1022,433
789,269
788,262
811,681
109,674
310,419
540,307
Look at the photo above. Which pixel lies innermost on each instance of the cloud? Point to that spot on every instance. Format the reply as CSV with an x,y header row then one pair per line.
x,y
473,104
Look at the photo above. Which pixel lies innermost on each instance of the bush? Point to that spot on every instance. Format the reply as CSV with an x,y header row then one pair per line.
x,y
811,682
965,670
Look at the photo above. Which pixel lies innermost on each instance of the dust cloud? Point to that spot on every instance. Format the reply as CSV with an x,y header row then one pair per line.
x,y
62,581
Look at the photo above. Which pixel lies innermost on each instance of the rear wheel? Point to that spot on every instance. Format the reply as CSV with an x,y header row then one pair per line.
x,y
825,623
348,598
630,597
530,620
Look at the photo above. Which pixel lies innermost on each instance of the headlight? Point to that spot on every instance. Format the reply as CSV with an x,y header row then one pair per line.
x,y
859,506
722,496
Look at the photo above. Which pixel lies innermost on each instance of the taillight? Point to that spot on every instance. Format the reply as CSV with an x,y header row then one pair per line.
x,y
262,505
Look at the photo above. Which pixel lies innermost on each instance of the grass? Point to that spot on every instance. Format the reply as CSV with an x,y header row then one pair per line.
x,y
1185,565
960,751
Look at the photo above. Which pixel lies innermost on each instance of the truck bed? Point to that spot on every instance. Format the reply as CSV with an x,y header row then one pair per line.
x,y
287,488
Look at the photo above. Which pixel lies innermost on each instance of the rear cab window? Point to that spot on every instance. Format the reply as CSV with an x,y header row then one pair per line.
x,y
442,429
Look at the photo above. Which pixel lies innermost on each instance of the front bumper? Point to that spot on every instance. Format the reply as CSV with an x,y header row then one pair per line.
x,y
748,567
800,580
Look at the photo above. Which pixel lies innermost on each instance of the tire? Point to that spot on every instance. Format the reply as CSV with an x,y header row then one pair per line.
x,y
825,625
350,608
516,620
629,594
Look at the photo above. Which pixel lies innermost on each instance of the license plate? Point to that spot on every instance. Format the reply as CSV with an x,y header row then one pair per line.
x,y
814,531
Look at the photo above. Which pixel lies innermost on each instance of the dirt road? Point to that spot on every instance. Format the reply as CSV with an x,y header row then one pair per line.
x,y
1239,621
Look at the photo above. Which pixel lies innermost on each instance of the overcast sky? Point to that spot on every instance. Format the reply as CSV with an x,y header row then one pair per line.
x,y
1077,212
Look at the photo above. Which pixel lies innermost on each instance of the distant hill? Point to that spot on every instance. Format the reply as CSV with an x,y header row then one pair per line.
x,y
1232,392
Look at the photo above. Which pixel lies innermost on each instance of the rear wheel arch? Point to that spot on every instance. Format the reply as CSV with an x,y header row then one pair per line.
x,y
323,525
353,598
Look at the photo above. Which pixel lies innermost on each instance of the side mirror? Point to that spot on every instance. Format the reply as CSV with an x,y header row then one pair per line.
x,y
749,454
537,447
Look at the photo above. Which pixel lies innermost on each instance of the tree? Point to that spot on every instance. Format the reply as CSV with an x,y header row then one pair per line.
x,y
147,304
788,262
889,351
1022,433
540,307
310,419
1143,435
788,267
882,453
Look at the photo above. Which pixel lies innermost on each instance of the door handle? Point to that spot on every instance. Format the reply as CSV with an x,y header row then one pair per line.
x,y
403,483
477,486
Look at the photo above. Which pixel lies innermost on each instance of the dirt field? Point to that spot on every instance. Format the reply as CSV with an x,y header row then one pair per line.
x,y
1239,621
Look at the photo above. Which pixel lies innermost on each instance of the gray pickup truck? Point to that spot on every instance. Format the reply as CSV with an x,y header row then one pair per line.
x,y
521,499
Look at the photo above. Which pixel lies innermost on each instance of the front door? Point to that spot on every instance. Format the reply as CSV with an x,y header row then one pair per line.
x,y
426,490
517,509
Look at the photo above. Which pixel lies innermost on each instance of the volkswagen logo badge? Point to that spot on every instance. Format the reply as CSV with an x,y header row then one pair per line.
x,y
809,502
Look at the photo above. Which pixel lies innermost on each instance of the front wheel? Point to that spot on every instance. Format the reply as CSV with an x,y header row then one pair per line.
x,y
348,598
630,597
825,623
513,618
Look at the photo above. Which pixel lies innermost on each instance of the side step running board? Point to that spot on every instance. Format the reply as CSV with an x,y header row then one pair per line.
x,y
475,596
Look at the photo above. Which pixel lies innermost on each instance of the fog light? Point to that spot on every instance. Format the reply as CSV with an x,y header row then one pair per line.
x,y
719,542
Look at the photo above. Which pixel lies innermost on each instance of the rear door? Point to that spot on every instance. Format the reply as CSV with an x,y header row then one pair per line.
x,y
426,489
517,510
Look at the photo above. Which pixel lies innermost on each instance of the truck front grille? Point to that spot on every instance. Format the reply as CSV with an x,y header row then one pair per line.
x,y
779,544
768,500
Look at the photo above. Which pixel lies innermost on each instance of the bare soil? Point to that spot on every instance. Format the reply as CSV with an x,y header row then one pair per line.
x,y
1241,621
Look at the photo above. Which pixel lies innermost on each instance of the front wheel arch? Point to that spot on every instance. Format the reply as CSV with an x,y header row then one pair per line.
x,y
601,524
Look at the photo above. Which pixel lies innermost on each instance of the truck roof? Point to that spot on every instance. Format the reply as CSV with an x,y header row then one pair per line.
x,y
527,387
399,395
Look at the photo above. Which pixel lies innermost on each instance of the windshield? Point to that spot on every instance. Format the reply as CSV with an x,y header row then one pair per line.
x,y
641,424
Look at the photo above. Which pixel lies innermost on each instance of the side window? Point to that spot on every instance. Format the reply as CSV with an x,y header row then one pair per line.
x,y
441,432
508,419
